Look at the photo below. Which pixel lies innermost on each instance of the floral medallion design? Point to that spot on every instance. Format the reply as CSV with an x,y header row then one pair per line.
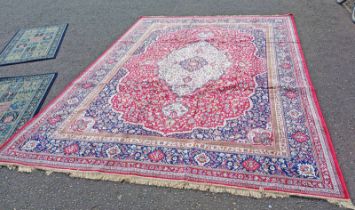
x,y
196,82
211,101
193,64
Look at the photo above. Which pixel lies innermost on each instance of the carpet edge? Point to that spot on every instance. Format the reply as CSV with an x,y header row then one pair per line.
x,y
177,184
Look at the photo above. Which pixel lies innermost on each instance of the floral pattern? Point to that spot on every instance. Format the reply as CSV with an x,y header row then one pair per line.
x,y
212,91
165,85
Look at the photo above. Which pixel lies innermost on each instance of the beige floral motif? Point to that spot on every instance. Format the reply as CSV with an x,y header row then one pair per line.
x,y
183,81
306,170
175,109
113,151
30,145
202,159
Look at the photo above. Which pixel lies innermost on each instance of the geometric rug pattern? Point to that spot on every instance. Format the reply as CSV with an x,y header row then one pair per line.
x,y
33,44
20,99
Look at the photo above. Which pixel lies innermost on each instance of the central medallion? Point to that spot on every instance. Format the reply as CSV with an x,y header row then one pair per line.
x,y
188,79
191,67
193,64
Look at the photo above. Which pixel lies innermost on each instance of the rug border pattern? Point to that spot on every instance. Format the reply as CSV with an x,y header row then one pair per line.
x,y
97,174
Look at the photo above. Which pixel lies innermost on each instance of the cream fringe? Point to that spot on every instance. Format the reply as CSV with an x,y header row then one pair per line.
x,y
173,184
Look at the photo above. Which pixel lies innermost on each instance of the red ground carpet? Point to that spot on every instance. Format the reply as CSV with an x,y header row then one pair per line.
x,y
222,103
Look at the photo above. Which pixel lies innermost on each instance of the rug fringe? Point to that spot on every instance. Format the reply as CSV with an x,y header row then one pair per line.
x,y
343,204
172,184
177,184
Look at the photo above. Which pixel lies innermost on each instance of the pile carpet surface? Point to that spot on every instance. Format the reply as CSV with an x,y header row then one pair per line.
x,y
33,44
221,103
20,99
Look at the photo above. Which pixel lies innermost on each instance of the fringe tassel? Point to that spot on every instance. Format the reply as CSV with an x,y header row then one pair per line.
x,y
343,204
173,184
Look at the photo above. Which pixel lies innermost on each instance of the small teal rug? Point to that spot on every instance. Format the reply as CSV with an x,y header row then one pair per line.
x,y
20,99
33,44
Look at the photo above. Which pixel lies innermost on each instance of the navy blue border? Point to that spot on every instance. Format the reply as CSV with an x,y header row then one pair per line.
x,y
7,44
39,105
39,59
60,41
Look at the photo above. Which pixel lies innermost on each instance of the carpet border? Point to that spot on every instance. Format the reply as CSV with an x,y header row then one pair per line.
x,y
70,84
171,183
320,114
101,175
40,104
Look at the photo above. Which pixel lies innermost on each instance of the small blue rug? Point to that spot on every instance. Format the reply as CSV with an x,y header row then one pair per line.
x,y
20,99
33,44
